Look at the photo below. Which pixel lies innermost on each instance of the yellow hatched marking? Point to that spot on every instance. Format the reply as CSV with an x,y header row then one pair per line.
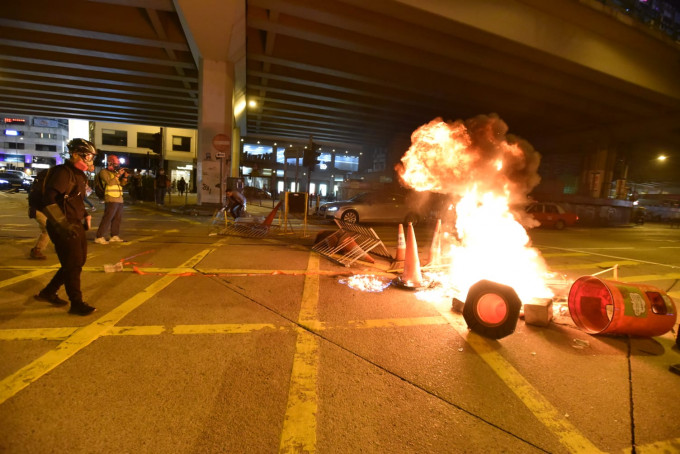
x,y
299,424
566,432
227,328
84,336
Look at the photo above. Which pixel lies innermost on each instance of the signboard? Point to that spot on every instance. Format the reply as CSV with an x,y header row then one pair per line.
x,y
221,142
219,155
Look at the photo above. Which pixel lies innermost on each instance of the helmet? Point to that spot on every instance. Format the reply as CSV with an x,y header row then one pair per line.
x,y
81,146
112,161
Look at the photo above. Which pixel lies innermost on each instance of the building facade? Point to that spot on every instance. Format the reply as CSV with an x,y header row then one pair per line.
x,y
31,143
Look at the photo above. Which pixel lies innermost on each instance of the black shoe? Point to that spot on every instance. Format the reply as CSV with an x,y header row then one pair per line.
x,y
52,299
81,309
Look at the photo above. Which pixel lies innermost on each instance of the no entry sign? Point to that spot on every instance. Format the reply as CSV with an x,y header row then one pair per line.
x,y
221,142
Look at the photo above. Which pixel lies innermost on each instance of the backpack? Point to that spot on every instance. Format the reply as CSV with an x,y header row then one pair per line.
x,y
36,192
99,186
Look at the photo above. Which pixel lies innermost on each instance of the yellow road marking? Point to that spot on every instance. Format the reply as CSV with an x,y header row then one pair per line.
x,y
36,333
299,424
23,277
658,447
563,254
389,322
84,336
603,265
227,328
152,330
566,432
650,277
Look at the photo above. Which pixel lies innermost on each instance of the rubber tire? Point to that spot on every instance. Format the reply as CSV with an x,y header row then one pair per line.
x,y
350,217
559,225
486,328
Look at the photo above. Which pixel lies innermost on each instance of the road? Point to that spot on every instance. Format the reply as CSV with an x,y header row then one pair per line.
x,y
228,344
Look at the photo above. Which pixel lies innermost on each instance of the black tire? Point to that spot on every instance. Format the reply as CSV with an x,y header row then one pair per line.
x,y
559,225
413,218
350,217
492,309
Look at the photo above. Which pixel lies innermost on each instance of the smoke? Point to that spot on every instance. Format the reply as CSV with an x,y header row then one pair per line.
x,y
451,157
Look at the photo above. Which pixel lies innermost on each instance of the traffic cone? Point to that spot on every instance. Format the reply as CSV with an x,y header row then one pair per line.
x,y
351,246
411,277
435,258
398,261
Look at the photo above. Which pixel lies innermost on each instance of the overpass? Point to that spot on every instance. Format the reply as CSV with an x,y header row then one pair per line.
x,y
566,74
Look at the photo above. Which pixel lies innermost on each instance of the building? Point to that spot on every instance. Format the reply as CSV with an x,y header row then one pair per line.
x,y
148,148
31,143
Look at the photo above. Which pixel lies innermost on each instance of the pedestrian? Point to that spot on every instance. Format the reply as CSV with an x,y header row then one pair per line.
x,y
88,191
236,203
67,221
161,185
135,183
181,186
113,178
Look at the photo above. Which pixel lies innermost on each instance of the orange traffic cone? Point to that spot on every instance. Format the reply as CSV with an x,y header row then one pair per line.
x,y
411,277
435,258
398,261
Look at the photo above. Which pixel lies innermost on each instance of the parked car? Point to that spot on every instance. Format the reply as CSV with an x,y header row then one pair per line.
x,y
15,180
251,192
371,207
552,215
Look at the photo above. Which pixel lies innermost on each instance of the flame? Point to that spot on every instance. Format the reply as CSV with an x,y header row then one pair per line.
x,y
485,170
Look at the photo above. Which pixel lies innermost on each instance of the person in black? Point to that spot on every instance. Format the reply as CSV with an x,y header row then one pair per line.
x,y
181,186
236,203
67,220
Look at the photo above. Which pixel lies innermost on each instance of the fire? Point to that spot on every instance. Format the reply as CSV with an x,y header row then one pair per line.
x,y
486,171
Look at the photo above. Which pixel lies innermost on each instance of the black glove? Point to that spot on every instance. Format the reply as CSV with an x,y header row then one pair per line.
x,y
71,231
56,217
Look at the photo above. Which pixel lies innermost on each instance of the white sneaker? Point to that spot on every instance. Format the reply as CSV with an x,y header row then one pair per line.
x,y
116,239
101,240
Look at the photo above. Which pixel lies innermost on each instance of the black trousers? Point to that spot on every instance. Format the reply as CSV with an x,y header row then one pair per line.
x,y
72,253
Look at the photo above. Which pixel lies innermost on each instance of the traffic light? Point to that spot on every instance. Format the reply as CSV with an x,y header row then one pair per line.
x,y
157,146
310,158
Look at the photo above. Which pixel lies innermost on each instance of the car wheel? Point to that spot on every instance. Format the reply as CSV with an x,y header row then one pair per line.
x,y
350,217
412,218
559,225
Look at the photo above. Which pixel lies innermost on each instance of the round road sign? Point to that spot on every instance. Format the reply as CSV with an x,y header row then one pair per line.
x,y
221,142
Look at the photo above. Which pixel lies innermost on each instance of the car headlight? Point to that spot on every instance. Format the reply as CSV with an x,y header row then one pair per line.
x,y
332,209
4,182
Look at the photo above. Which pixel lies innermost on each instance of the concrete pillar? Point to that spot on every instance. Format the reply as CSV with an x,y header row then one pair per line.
x,y
215,30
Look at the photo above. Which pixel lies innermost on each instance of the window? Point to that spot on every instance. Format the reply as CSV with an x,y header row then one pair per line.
x,y
42,147
347,162
45,135
113,137
14,146
180,143
145,140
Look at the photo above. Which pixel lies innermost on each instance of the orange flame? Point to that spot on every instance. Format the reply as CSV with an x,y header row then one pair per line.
x,y
486,170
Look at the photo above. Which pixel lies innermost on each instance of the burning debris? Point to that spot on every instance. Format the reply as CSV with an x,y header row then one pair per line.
x,y
483,171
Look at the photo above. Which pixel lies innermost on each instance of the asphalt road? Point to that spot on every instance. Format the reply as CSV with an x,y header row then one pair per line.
x,y
219,343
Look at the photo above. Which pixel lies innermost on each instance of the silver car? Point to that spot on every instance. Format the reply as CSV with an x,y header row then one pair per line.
x,y
371,207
